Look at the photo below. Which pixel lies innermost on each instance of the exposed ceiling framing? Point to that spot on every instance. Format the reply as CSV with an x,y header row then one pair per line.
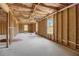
x,y
34,6
35,11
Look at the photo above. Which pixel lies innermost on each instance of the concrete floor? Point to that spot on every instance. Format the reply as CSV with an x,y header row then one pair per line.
x,y
28,44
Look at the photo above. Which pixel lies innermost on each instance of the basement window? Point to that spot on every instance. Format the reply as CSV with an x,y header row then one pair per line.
x,y
25,27
50,26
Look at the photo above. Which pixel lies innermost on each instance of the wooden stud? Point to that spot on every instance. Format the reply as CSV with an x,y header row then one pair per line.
x,y
59,10
67,26
61,27
76,26
7,30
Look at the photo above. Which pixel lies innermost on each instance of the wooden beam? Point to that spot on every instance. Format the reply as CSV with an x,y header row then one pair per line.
x,y
11,11
34,9
14,15
48,14
68,7
67,26
52,7
60,10
65,4
7,30
20,5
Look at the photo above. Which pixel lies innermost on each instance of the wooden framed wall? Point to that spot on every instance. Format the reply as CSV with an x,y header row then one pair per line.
x,y
29,28
21,28
72,27
3,26
77,24
3,19
42,28
55,28
32,27
68,28
65,27
13,29
60,27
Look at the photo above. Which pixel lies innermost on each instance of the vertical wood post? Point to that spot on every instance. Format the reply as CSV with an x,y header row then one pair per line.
x,y
68,27
7,30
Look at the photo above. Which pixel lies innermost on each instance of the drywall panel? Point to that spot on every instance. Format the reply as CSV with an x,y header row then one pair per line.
x,y
65,27
72,27
60,27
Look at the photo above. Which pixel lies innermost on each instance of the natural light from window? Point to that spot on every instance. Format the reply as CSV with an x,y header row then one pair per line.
x,y
25,27
49,26
36,27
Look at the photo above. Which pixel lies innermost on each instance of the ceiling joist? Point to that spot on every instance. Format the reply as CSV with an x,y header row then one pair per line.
x,y
21,5
52,7
70,5
34,6
35,10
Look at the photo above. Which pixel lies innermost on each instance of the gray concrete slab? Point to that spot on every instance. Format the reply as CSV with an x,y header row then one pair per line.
x,y
27,44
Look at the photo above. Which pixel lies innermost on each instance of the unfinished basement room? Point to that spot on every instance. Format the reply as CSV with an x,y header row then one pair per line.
x,y
39,29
